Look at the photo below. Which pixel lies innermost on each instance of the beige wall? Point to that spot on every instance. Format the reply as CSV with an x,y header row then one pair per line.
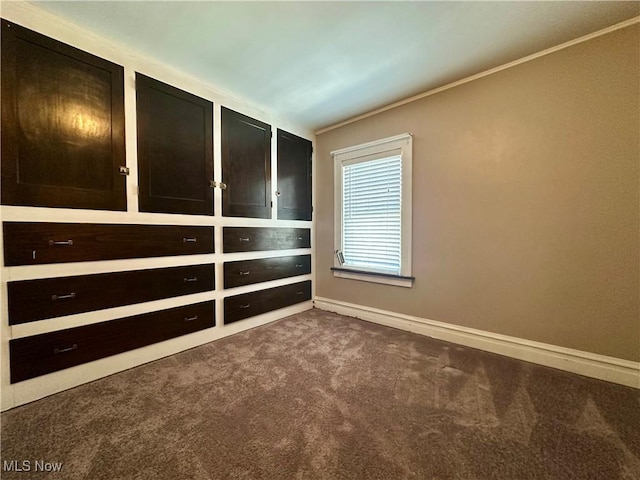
x,y
526,201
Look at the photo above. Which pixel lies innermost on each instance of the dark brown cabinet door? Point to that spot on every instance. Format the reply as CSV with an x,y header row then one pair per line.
x,y
246,166
175,149
62,124
294,177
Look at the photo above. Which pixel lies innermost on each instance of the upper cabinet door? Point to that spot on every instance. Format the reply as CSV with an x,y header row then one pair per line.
x,y
175,149
294,177
62,124
246,166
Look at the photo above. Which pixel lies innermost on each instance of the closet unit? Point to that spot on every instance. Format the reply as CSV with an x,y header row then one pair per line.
x,y
246,173
63,147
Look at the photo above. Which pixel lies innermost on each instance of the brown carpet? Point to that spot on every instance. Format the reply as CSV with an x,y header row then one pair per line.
x,y
321,396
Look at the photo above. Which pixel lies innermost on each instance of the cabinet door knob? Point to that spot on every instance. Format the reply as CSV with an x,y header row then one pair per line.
x,y
278,193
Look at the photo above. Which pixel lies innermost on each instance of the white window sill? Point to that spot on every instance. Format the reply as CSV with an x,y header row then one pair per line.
x,y
394,280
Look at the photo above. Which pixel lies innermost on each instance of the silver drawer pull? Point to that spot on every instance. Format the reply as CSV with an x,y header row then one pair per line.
x,y
60,243
244,239
299,293
242,274
190,319
189,239
299,238
190,279
247,305
63,297
64,350
299,265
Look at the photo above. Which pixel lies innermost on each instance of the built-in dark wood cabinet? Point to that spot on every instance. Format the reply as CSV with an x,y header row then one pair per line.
x,y
246,166
63,146
62,124
294,177
175,149
49,352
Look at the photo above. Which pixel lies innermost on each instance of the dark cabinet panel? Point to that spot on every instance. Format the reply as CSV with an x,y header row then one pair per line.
x,y
175,149
294,177
28,243
239,307
49,352
32,300
246,272
62,124
250,239
246,166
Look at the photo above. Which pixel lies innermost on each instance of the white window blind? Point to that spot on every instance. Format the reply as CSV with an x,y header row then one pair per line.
x,y
371,214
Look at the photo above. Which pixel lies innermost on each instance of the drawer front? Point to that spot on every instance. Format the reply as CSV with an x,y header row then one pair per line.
x,y
250,239
246,272
50,352
40,243
247,305
33,300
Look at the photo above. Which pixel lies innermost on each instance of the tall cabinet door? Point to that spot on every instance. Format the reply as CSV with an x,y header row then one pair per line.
x,y
294,177
246,166
62,124
175,149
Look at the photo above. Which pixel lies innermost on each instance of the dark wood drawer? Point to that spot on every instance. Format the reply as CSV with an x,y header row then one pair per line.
x,y
50,352
246,272
247,305
249,239
37,243
32,300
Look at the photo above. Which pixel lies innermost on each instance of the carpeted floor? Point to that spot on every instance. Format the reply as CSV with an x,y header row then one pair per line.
x,y
321,396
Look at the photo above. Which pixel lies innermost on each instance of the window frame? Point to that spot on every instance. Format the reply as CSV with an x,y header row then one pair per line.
x,y
404,144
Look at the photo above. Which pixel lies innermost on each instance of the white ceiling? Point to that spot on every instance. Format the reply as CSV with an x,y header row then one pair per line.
x,y
317,63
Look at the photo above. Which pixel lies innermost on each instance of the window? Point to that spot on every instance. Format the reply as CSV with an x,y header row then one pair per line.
x,y
373,211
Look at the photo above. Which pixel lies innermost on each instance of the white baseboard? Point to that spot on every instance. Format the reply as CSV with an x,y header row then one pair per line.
x,y
593,365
